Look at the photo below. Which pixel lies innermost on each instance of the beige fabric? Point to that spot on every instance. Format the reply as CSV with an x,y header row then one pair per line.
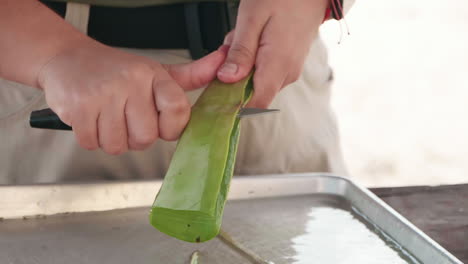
x,y
78,15
302,138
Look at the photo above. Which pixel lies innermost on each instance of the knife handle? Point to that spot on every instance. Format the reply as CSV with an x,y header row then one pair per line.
x,y
47,119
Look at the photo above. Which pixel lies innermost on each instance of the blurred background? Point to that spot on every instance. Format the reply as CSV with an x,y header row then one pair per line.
x,y
401,91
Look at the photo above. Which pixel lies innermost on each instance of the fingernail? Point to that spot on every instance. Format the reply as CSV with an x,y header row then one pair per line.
x,y
229,69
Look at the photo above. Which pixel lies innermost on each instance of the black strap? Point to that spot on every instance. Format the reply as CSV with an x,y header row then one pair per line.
x,y
337,5
199,26
194,35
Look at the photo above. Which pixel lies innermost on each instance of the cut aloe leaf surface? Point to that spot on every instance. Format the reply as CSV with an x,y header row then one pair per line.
x,y
190,203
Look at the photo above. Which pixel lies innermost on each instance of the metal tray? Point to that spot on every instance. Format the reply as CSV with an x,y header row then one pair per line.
x,y
268,219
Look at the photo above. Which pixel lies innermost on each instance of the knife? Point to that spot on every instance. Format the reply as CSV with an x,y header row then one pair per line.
x,y
48,119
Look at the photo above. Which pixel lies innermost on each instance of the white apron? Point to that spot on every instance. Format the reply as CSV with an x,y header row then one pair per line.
x,y
303,137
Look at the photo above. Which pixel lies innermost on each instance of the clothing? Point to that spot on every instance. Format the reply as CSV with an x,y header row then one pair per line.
x,y
302,138
198,27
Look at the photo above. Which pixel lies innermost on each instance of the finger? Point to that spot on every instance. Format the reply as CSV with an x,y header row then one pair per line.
x,y
142,120
85,129
268,80
197,73
82,119
243,49
174,109
228,38
275,60
112,128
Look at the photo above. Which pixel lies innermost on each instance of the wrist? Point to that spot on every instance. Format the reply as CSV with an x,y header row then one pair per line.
x,y
60,49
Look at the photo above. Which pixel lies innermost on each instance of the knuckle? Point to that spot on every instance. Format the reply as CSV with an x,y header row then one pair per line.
x,y
143,140
170,136
101,87
241,53
263,103
172,133
179,107
135,146
265,86
91,147
104,92
297,72
228,37
264,93
86,144
114,149
296,75
252,19
82,100
86,140
289,62
136,71
64,114
293,76
80,103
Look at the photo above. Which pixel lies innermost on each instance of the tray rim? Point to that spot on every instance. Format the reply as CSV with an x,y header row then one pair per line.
x,y
20,201
408,235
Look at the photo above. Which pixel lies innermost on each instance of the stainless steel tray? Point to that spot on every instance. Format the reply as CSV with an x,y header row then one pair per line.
x,y
269,219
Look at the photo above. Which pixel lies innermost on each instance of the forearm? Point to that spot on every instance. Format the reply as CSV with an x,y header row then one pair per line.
x,y
30,35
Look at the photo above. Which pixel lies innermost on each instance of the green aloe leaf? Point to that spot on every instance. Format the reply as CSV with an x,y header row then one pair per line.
x,y
190,203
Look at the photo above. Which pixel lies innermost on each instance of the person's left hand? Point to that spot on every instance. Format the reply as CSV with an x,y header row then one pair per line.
x,y
275,36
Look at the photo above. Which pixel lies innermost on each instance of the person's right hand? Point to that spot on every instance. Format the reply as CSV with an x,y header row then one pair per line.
x,y
118,101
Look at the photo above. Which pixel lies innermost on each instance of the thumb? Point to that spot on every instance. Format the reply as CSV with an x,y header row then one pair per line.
x,y
243,40
198,73
240,59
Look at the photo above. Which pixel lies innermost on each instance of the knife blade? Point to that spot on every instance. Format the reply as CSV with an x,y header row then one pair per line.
x,y
247,112
48,119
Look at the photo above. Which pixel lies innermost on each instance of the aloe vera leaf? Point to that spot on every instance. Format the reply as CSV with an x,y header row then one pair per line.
x,y
190,203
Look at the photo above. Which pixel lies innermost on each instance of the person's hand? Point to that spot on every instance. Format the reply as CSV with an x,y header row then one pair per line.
x,y
118,101
274,36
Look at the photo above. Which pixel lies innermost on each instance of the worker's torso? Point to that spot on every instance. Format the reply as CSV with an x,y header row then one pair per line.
x,y
301,138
